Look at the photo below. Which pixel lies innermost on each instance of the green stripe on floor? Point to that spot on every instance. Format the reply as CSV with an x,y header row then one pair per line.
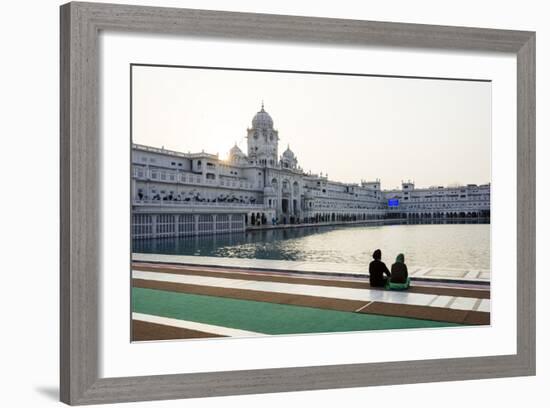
x,y
263,317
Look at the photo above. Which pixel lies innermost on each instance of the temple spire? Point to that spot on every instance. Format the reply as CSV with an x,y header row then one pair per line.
x,y
262,105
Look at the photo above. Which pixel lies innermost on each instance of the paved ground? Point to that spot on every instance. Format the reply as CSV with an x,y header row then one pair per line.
x,y
174,301
416,272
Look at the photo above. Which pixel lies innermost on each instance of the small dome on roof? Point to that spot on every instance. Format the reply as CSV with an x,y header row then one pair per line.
x,y
235,151
288,159
236,155
289,154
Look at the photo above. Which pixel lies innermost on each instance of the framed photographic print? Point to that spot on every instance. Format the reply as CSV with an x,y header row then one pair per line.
x,y
258,203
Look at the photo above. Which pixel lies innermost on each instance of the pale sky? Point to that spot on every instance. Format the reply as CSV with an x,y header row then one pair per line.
x,y
435,132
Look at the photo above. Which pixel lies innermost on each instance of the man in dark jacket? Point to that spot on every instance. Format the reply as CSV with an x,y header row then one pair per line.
x,y
377,270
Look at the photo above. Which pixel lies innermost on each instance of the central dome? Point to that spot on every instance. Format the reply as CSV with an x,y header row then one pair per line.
x,y
262,120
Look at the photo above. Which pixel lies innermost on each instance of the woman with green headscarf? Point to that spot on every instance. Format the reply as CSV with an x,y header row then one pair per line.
x,y
399,274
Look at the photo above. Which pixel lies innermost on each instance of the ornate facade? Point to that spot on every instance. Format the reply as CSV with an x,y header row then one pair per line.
x,y
178,194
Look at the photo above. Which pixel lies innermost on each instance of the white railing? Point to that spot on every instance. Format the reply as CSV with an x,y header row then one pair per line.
x,y
430,207
194,203
193,179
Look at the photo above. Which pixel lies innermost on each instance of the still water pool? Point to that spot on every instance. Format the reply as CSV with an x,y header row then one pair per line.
x,y
464,246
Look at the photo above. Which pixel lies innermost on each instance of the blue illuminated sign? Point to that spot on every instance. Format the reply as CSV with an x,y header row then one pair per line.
x,y
394,202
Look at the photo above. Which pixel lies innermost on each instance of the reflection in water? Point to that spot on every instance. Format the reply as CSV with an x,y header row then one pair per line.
x,y
436,245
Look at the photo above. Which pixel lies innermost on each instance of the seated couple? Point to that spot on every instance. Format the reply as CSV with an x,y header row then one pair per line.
x,y
397,279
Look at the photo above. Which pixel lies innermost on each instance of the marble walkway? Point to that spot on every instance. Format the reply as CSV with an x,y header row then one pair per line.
x,y
416,272
180,301
364,295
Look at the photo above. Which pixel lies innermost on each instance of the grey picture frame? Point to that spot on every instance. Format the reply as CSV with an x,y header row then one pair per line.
x,y
81,24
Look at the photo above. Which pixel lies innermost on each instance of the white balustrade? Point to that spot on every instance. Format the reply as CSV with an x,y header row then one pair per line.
x,y
195,203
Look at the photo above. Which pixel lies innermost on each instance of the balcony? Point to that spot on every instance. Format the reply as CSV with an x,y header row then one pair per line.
x,y
196,204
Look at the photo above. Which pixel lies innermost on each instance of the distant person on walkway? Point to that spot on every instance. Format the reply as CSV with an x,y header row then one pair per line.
x,y
377,270
399,274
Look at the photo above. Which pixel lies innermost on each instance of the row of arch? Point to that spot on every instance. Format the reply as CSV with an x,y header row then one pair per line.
x,y
440,214
286,185
341,217
260,218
